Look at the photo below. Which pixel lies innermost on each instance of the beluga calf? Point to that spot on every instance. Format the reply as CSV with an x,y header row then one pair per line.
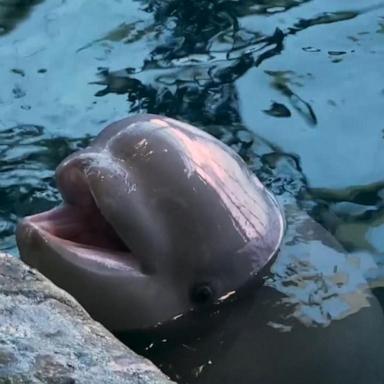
x,y
158,218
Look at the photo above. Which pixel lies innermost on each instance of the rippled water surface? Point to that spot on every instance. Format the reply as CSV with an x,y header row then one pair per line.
x,y
295,86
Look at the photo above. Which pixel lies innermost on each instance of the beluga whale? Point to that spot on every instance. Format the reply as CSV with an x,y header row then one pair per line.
x,y
158,217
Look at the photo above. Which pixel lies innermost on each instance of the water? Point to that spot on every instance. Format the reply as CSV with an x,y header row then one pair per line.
x,y
296,87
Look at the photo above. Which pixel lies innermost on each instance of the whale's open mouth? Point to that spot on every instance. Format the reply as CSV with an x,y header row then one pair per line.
x,y
84,226
83,233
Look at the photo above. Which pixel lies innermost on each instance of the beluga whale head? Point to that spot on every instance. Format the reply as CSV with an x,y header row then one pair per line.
x,y
158,218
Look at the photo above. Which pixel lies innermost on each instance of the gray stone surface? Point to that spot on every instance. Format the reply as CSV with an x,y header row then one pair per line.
x,y
47,337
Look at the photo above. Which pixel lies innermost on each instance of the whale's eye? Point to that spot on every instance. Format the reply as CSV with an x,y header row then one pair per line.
x,y
202,293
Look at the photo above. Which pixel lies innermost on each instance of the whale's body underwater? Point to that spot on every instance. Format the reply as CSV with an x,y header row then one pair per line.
x,y
158,219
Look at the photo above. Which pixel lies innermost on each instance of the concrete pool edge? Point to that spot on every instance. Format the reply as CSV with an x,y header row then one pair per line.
x,y
46,336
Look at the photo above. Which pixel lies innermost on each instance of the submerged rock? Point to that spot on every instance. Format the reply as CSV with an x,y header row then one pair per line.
x,y
47,337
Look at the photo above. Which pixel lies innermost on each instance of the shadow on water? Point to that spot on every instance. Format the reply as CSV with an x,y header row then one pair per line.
x,y
295,87
12,12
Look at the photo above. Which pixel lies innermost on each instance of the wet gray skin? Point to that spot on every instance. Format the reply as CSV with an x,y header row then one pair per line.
x,y
158,218
314,322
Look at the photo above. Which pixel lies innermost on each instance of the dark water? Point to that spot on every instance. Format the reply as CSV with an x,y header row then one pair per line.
x,y
296,87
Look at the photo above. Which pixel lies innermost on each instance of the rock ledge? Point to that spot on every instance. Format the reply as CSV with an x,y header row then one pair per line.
x,y
47,337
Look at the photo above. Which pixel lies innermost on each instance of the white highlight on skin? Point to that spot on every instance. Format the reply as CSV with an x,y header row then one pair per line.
x,y
159,122
141,144
105,160
226,296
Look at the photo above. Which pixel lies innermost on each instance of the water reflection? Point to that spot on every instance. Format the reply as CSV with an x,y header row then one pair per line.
x,y
28,160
